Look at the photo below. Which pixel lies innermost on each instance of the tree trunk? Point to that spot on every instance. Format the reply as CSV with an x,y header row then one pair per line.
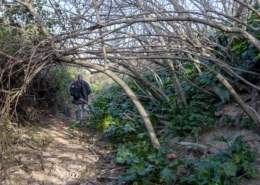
x,y
247,109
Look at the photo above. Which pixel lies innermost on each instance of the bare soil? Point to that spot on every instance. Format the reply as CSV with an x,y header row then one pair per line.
x,y
56,154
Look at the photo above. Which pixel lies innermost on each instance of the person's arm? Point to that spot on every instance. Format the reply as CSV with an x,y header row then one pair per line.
x,y
86,88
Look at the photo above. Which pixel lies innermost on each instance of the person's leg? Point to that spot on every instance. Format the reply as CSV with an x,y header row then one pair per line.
x,y
78,113
84,107
81,112
87,109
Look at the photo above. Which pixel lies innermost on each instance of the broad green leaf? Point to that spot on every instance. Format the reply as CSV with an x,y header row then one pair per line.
x,y
222,93
167,176
230,169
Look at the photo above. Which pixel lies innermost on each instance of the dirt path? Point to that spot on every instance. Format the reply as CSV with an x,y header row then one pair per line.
x,y
56,154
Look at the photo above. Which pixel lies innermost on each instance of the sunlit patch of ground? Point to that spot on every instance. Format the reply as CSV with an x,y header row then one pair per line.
x,y
55,154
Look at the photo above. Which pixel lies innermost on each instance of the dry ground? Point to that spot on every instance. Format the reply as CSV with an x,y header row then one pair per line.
x,y
56,154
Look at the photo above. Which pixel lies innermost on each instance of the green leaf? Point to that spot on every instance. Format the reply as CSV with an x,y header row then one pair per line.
x,y
123,155
239,46
257,57
230,169
167,176
222,93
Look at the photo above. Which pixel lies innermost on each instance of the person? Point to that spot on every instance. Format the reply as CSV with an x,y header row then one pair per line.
x,y
80,90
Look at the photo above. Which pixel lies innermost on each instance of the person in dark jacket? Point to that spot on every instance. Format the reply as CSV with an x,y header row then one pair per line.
x,y
80,90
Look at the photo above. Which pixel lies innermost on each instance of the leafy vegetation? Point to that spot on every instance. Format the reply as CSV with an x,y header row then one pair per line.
x,y
115,115
225,168
61,78
146,166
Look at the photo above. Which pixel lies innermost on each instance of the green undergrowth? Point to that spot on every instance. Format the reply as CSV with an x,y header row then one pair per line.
x,y
147,166
115,115
245,56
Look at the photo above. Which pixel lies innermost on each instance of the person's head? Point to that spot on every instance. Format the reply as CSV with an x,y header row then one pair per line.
x,y
79,77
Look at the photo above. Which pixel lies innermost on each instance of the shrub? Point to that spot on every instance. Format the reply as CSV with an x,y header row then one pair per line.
x,y
226,168
147,166
60,81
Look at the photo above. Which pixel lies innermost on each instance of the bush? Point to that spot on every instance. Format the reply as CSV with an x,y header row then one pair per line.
x,y
60,80
226,168
144,164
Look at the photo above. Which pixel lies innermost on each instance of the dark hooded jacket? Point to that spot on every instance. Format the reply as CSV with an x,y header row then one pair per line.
x,y
84,89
